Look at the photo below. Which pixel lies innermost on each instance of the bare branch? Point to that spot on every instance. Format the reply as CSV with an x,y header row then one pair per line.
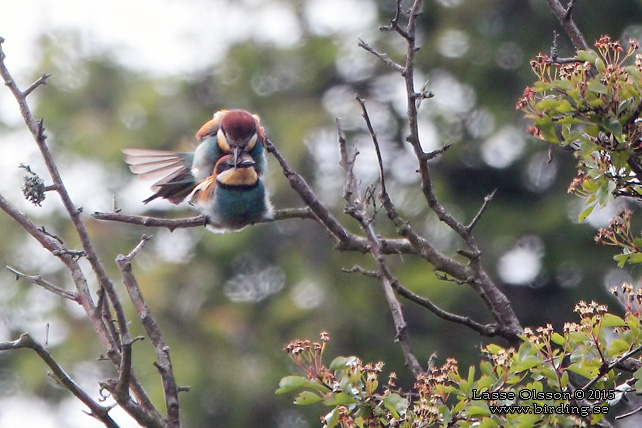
x,y
169,223
631,352
319,210
111,338
355,208
375,141
394,24
197,221
472,273
382,56
362,271
153,331
563,15
39,280
419,243
41,81
477,217
97,411
483,329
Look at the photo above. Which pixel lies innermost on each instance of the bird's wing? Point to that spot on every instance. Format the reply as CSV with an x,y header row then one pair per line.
x,y
156,164
203,191
171,169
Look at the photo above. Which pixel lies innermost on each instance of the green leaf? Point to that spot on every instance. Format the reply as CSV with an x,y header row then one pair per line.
x,y
603,194
585,213
332,418
595,418
526,364
485,382
582,370
588,55
558,339
548,104
547,128
488,423
565,107
599,64
564,380
306,398
478,409
494,349
290,383
597,87
619,158
564,85
459,406
610,320
540,86
592,130
614,127
339,399
635,258
618,347
396,404
621,259
339,363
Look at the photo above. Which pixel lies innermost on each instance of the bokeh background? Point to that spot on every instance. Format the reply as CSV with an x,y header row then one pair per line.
x,y
149,73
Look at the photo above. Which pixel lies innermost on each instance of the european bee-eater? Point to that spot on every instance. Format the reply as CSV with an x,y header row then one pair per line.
x,y
233,132
233,196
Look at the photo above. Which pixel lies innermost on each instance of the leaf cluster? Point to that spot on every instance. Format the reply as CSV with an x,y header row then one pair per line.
x,y
592,104
553,378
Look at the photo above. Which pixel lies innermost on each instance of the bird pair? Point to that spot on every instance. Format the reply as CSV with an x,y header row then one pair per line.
x,y
222,178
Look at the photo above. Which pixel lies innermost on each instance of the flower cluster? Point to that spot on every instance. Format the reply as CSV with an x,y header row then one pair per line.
x,y
630,298
309,357
590,104
619,233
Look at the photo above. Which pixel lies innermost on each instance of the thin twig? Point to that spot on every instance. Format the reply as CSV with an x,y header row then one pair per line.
x,y
375,141
382,56
483,208
41,81
488,330
39,280
362,271
394,23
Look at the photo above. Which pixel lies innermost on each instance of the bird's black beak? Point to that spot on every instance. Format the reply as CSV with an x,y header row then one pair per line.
x,y
236,152
245,162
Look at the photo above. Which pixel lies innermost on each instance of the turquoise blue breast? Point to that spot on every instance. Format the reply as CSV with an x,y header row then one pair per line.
x,y
238,206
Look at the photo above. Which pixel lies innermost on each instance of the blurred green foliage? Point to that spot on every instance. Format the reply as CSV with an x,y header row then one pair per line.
x,y
228,303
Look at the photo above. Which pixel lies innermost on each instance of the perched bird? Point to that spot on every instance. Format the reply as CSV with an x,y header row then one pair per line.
x,y
233,196
232,132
